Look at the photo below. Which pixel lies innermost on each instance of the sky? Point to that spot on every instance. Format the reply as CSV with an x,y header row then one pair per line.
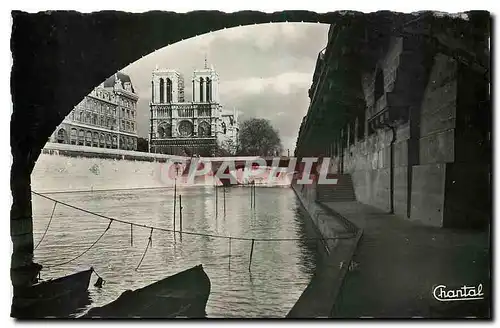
x,y
265,71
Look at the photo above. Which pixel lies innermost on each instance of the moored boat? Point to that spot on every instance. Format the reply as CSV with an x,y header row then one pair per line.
x,y
184,294
58,297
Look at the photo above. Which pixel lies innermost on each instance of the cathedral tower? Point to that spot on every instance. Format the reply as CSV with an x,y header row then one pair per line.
x,y
167,86
205,85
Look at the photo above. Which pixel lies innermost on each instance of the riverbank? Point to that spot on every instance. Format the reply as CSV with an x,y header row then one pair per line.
x,y
71,168
318,299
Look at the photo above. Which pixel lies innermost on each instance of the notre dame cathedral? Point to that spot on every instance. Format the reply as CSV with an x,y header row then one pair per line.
x,y
198,126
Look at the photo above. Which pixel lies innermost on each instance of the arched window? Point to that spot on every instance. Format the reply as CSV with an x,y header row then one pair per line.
x,y
152,91
201,89
81,137
209,89
169,90
102,140
193,89
379,84
73,136
161,91
95,139
165,131
61,136
204,130
88,138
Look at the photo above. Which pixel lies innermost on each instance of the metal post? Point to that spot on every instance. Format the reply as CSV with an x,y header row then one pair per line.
x,y
216,201
131,235
251,253
254,195
175,200
180,211
224,190
229,253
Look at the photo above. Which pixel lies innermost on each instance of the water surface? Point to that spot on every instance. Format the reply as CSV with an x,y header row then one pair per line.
x,y
279,273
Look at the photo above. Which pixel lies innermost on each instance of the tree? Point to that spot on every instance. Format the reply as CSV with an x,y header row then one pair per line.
x,y
258,137
226,148
142,144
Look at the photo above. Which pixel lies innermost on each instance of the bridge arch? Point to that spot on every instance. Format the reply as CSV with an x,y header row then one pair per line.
x,y
86,62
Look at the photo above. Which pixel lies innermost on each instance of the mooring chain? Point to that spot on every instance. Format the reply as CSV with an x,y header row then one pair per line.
x,y
101,281
150,240
345,236
84,252
150,243
48,225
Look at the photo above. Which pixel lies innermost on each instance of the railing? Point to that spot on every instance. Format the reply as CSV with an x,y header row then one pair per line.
x,y
188,112
204,112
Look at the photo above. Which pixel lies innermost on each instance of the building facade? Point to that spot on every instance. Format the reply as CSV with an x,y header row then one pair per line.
x,y
196,127
405,112
105,118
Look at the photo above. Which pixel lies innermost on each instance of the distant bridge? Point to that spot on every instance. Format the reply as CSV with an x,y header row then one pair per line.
x,y
241,162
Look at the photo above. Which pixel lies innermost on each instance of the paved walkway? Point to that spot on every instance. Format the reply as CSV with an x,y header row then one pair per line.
x,y
397,263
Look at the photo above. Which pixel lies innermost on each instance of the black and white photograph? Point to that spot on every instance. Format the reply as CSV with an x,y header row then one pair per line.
x,y
285,164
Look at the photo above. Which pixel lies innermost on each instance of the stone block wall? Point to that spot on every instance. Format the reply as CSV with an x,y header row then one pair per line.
x,y
436,144
468,188
436,99
427,194
423,191
468,195
368,162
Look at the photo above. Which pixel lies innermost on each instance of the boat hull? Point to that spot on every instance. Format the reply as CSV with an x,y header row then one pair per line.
x,y
59,297
184,294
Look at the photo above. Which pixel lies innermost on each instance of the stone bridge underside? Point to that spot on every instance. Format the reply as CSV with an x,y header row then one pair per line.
x,y
59,57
